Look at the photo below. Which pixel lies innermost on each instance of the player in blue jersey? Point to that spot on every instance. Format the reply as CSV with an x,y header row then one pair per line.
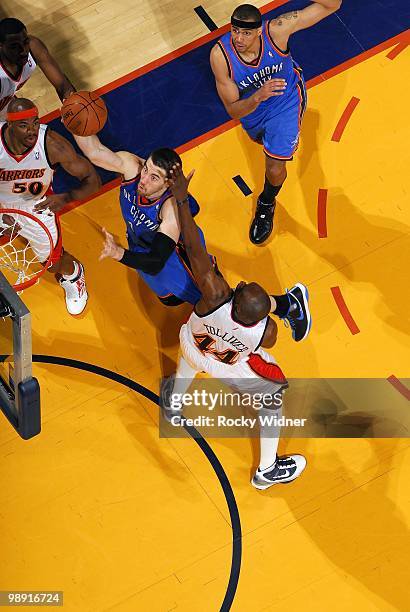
x,y
260,84
155,248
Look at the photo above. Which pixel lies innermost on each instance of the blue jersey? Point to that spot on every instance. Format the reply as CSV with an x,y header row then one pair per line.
x,y
270,64
142,218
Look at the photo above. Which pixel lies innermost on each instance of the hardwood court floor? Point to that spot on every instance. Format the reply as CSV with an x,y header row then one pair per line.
x,y
100,507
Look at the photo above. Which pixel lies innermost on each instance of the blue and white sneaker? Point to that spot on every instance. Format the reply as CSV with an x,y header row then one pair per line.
x,y
298,315
172,415
285,469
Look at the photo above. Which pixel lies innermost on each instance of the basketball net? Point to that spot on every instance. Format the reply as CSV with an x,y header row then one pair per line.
x,y
19,262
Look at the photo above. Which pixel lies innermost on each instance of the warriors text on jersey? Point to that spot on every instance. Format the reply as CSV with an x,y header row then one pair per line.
x,y
9,84
24,178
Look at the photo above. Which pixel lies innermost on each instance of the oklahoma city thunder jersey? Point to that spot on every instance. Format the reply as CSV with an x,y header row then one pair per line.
x,y
271,63
10,84
142,218
24,178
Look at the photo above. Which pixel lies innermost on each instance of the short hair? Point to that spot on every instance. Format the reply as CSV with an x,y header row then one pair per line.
x,y
247,12
165,158
8,26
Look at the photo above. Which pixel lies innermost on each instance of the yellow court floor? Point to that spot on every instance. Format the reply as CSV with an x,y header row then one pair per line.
x,y
100,507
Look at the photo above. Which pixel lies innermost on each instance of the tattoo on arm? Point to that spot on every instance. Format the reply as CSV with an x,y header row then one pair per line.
x,y
288,16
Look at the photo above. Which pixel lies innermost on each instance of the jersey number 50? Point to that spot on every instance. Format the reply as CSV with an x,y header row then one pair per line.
x,y
34,188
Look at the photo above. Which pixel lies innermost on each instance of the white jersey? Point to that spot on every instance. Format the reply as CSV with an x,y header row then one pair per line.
x,y
10,84
219,337
24,178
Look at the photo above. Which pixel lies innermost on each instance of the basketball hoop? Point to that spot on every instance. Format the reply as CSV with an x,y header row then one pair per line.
x,y
19,261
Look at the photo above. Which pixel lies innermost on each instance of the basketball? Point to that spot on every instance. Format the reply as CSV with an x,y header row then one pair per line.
x,y
84,113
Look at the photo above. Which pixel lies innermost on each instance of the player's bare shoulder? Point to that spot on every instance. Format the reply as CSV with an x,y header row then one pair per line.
x,y
218,62
37,47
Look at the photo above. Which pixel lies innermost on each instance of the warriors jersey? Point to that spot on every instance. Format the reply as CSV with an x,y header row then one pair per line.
x,y
271,63
142,218
24,178
9,84
218,336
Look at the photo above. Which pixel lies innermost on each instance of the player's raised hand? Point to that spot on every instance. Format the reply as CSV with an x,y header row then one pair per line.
x,y
110,247
178,182
273,87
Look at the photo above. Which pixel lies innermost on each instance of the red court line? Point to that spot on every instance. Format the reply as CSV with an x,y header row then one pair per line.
x,y
321,213
344,311
396,50
165,59
75,203
231,123
347,113
398,385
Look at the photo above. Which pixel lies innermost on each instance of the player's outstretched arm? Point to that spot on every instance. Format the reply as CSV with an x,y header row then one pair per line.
x,y
50,68
213,286
123,162
229,92
162,246
60,151
288,23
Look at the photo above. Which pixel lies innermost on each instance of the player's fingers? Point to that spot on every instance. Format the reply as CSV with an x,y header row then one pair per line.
x,y
190,175
107,235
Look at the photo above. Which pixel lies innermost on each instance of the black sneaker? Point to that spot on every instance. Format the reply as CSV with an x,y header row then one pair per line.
x,y
285,469
298,315
262,224
170,414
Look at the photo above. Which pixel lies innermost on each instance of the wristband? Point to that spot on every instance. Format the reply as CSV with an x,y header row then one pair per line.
x,y
180,202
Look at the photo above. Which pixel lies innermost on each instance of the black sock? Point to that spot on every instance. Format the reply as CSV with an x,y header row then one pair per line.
x,y
269,192
282,305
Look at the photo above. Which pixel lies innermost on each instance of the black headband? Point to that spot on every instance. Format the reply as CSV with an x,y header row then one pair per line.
x,y
246,25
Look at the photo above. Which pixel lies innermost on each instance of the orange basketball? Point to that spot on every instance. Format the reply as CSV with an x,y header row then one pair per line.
x,y
84,113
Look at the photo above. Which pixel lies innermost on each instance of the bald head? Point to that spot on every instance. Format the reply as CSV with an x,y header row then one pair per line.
x,y
20,104
252,303
23,124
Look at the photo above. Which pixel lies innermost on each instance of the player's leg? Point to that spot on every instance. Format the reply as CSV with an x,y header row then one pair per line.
x,y
174,387
69,273
280,140
262,224
293,308
271,383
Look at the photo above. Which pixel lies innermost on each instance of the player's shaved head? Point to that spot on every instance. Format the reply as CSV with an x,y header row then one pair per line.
x,y
251,303
20,104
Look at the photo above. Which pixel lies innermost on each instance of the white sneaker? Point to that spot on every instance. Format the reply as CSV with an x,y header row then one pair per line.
x,y
285,469
76,295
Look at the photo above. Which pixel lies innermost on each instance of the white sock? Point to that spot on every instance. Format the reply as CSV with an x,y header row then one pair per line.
x,y
71,277
269,439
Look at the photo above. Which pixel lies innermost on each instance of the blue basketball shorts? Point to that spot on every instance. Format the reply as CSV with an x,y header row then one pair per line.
x,y
278,131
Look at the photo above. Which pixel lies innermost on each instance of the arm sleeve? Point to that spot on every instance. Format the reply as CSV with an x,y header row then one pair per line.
x,y
152,262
